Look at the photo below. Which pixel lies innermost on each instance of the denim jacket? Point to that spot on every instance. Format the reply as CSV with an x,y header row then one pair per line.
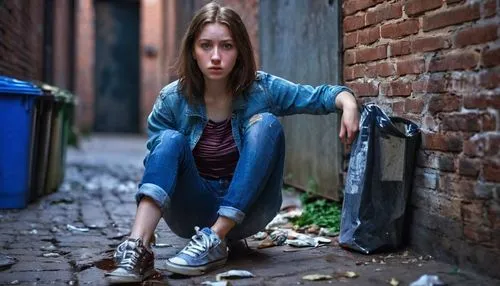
x,y
268,93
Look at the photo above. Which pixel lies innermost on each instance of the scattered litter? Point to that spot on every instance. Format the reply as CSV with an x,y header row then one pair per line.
x,y
260,235
327,232
233,274
48,248
428,280
350,274
15,282
313,229
71,282
279,237
293,213
394,282
317,277
303,240
267,242
378,269
51,254
6,261
216,283
162,245
74,228
277,221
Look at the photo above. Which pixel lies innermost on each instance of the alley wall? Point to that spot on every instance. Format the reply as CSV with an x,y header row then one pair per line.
x,y
437,63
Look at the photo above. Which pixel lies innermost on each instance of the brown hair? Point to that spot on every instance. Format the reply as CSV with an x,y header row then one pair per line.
x,y
243,74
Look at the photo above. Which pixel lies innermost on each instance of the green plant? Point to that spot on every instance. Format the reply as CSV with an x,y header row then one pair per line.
x,y
320,212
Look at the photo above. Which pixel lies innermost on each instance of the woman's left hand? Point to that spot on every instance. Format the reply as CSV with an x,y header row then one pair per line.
x,y
349,123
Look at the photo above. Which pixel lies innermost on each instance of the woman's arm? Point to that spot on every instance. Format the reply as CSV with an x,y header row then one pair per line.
x,y
160,119
349,124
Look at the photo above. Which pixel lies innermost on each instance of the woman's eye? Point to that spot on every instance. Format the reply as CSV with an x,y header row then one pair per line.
x,y
227,46
205,46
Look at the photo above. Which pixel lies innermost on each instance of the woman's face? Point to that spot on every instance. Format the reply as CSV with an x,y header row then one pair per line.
x,y
215,52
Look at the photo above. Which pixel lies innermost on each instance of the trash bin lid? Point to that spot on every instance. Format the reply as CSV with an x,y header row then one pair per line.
x,y
10,85
58,93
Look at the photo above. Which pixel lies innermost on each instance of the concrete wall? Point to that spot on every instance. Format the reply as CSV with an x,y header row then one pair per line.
x,y
437,63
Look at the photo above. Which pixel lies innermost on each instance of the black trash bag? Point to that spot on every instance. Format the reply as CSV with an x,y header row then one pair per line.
x,y
378,182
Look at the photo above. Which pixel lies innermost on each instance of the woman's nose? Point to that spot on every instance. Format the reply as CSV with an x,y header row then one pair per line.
x,y
215,56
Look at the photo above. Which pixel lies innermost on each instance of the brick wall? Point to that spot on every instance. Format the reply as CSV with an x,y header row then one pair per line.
x,y
437,62
21,35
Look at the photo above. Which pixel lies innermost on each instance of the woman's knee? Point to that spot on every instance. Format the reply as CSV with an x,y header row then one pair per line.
x,y
171,139
264,123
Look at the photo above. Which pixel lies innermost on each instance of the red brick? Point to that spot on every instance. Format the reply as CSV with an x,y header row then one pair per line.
x,y
468,167
371,54
398,107
488,122
475,146
354,72
476,101
468,122
457,186
350,40
349,57
431,84
437,160
428,44
454,61
443,103
491,57
414,105
396,88
352,6
412,66
400,29
490,78
489,8
493,145
451,17
491,171
387,12
399,48
380,69
352,23
477,233
476,35
364,88
473,212
369,36
414,7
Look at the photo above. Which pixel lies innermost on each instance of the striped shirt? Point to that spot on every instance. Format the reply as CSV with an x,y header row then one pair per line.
x,y
216,154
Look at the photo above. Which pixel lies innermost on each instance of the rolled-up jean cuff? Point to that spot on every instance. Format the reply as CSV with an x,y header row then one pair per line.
x,y
156,193
232,213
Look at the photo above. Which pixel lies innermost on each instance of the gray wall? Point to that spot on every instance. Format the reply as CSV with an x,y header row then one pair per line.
x,y
300,41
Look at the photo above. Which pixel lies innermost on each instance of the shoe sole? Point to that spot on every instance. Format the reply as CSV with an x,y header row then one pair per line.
x,y
194,271
115,279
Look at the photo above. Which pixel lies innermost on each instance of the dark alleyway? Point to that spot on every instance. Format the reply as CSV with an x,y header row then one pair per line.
x,y
68,237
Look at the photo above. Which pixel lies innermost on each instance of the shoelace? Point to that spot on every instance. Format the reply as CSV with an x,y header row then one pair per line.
x,y
199,243
129,258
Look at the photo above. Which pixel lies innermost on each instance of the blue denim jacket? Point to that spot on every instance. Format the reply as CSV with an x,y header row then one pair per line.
x,y
268,93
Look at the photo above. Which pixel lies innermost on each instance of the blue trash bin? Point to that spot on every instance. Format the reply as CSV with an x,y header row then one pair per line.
x,y
17,104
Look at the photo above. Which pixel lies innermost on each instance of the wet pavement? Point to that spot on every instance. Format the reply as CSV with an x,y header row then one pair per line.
x,y
67,238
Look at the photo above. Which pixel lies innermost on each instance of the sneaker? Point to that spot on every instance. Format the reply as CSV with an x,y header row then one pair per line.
x,y
134,260
205,252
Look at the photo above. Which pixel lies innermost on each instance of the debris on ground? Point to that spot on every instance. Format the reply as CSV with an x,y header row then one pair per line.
x,y
317,277
76,229
260,235
233,274
6,261
394,282
428,280
216,283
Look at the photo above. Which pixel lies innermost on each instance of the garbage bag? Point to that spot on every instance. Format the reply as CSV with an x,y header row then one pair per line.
x,y
378,183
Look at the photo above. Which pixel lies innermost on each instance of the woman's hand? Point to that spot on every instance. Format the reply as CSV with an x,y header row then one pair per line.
x,y
349,124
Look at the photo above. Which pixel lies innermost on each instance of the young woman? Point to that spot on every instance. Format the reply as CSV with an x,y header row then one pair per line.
x,y
216,148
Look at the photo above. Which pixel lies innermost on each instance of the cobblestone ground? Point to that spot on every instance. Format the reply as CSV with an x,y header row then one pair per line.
x,y
67,238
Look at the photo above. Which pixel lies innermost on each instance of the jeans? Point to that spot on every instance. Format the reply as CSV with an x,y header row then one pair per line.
x,y
252,198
